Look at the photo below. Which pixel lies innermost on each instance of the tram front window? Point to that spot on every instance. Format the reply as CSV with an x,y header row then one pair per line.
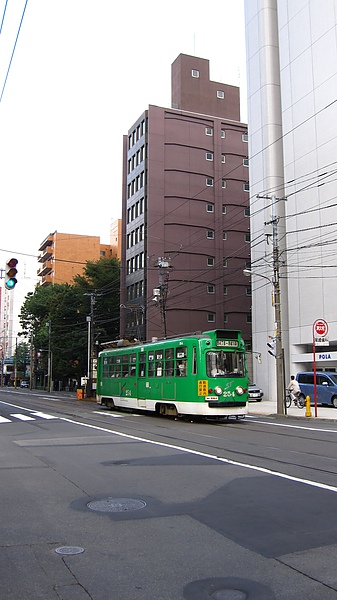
x,y
225,364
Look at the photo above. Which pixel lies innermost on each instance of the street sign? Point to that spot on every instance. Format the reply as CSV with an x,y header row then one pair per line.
x,y
320,328
319,338
320,331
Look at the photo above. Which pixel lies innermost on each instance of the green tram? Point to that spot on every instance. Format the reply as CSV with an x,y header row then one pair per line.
x,y
203,374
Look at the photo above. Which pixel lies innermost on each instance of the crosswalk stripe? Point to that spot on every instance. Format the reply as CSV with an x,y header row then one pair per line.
x,y
4,420
42,415
22,417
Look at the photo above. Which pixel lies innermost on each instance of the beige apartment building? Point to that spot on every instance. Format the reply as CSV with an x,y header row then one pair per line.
x,y
64,255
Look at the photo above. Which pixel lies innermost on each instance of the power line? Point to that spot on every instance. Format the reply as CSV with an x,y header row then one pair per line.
x,y
12,55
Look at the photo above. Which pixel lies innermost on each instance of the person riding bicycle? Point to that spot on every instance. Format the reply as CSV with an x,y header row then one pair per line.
x,y
294,389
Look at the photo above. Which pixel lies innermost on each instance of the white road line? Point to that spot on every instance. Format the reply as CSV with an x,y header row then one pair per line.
x,y
105,414
304,427
22,417
4,420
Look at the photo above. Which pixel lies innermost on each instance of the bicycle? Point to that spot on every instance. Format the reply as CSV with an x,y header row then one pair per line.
x,y
298,401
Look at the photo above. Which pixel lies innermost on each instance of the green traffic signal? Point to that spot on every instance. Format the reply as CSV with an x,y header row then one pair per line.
x,y
10,273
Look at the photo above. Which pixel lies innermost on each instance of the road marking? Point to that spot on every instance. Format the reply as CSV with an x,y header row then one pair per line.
x,y
22,417
42,415
226,461
105,414
305,427
4,420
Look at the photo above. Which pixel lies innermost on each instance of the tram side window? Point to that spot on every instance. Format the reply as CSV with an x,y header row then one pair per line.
x,y
169,362
194,361
118,370
133,359
181,361
159,363
105,367
125,365
142,364
111,366
150,365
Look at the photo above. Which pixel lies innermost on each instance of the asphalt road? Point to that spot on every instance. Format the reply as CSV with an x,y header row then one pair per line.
x,y
121,506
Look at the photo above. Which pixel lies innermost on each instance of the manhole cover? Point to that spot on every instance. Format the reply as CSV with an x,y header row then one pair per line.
x,y
229,595
69,550
116,504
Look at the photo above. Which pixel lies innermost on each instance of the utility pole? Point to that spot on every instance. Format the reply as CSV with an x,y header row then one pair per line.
x,y
90,321
278,319
160,293
280,388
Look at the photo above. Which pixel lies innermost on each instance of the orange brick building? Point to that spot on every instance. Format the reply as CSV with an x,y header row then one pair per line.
x,y
64,255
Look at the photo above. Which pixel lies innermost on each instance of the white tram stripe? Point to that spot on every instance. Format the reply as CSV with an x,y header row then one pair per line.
x,y
22,417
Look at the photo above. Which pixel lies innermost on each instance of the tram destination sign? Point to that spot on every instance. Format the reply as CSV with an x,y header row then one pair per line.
x,y
227,343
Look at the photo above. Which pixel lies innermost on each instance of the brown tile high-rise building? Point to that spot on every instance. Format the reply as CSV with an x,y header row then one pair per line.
x,y
185,212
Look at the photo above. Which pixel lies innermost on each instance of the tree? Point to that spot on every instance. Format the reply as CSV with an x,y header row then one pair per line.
x,y
100,285
54,320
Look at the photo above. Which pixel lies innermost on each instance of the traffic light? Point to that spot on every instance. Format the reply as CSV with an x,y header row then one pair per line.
x,y
10,273
272,346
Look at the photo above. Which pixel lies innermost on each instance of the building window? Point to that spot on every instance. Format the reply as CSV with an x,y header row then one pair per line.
x,y
245,162
224,235
210,261
210,234
223,183
245,137
223,158
211,317
249,318
220,94
225,318
209,181
247,237
210,208
209,155
246,187
248,291
224,263
247,212
209,130
195,73
211,289
225,290
223,133
224,209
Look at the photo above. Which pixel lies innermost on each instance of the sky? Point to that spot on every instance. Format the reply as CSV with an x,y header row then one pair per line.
x,y
81,74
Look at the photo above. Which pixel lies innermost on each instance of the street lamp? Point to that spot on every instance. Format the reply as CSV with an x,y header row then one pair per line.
x,y
276,302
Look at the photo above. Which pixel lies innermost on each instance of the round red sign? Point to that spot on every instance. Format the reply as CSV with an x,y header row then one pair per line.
x,y
321,327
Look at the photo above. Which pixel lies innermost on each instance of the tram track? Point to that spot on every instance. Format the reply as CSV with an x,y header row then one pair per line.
x,y
284,448
165,433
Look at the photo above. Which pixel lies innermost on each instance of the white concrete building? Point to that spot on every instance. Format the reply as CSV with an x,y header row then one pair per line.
x,y
292,123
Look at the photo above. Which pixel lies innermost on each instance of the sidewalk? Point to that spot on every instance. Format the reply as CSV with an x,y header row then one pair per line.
x,y
268,408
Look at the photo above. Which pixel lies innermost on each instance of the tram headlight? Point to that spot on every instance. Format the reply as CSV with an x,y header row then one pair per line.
x,y
218,390
239,390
